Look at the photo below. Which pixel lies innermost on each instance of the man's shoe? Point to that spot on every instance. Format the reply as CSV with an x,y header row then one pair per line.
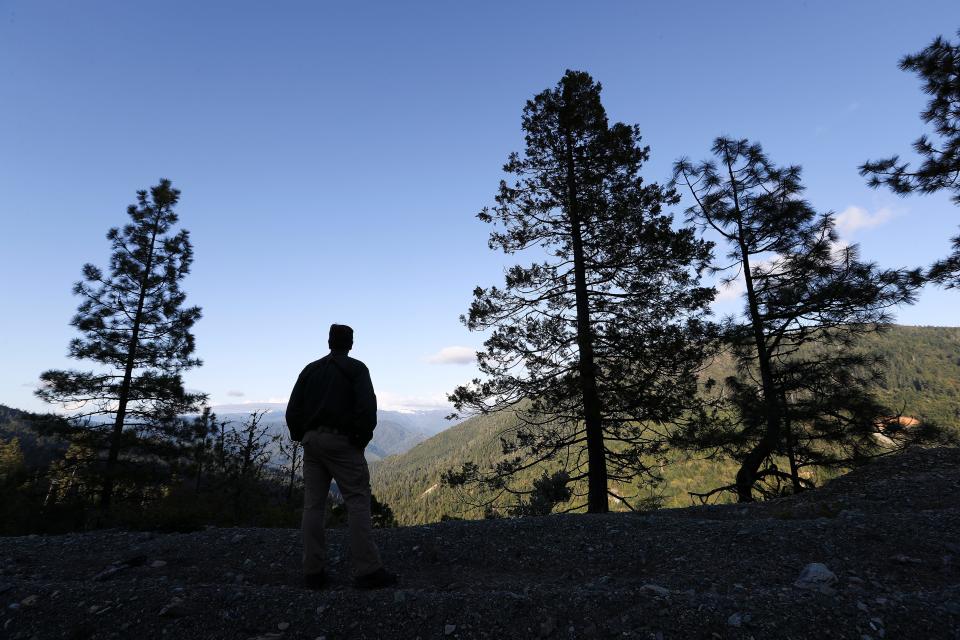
x,y
377,580
315,581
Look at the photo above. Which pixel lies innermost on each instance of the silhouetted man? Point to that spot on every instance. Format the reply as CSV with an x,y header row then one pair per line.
x,y
333,412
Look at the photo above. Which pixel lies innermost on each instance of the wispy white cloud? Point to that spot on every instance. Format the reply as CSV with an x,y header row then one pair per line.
x,y
453,355
389,401
854,218
236,394
731,290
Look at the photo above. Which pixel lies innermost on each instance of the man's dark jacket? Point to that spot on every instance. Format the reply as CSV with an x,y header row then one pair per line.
x,y
334,392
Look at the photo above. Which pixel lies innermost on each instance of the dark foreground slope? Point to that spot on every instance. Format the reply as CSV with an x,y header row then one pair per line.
x,y
889,532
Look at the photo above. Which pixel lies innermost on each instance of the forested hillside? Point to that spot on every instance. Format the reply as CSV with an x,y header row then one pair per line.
x,y
923,380
37,449
923,371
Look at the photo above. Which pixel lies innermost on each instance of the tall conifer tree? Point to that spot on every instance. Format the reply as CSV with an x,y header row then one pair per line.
x,y
802,391
133,323
595,345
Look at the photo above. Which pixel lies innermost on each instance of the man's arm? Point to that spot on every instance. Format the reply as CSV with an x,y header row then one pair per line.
x,y
296,420
366,408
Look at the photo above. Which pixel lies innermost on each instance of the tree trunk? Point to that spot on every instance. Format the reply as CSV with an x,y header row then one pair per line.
x,y
592,417
791,455
106,495
293,472
200,457
747,475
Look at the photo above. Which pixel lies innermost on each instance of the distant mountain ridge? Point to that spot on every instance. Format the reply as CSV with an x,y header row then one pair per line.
x,y
396,432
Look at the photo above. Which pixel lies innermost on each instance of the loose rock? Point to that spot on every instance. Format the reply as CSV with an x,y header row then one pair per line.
x,y
817,577
656,589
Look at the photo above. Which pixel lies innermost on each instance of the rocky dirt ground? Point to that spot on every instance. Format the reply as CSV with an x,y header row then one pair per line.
x,y
875,554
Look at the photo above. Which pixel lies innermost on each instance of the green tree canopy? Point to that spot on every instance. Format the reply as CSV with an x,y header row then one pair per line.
x,y
939,170
597,343
802,391
134,325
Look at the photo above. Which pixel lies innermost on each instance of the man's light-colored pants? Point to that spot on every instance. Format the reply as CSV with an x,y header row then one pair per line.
x,y
329,456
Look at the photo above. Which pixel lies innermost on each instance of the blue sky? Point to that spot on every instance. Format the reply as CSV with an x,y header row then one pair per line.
x,y
332,155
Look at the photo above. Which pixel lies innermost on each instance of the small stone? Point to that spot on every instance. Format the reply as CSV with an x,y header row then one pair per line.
x,y
862,607
449,629
399,597
237,539
735,620
158,564
283,626
248,564
14,606
547,627
816,577
93,608
902,559
174,609
656,589
29,601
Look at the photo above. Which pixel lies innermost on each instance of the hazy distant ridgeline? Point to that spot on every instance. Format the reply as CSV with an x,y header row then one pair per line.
x,y
923,379
396,431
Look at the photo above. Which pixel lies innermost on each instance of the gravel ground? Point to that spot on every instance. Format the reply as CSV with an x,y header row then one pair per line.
x,y
875,554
